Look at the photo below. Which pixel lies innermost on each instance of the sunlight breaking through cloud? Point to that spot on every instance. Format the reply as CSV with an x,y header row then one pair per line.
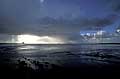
x,y
33,39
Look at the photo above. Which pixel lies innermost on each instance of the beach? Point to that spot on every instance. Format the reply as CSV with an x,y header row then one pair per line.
x,y
71,60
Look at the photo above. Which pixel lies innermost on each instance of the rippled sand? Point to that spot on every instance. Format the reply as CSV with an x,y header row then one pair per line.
x,y
37,60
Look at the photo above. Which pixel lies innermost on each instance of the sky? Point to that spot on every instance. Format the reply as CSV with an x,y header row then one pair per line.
x,y
65,21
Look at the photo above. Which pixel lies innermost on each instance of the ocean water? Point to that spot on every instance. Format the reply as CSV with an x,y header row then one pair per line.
x,y
67,55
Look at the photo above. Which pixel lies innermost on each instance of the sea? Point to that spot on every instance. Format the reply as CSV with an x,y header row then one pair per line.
x,y
64,55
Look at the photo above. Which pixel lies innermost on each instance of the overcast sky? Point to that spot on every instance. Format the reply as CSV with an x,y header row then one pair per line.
x,y
64,19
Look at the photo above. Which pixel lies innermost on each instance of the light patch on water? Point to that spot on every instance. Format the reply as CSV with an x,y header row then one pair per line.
x,y
26,47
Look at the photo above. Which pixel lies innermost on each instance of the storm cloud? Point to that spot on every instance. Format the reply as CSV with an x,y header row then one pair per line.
x,y
58,18
51,25
115,5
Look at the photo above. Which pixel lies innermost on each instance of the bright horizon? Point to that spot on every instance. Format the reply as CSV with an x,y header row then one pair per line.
x,y
34,39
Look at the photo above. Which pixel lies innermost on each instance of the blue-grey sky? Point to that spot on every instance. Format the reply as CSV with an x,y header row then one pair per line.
x,y
65,19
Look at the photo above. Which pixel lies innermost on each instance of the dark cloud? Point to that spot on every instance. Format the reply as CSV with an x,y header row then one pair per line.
x,y
24,16
48,25
58,18
99,23
114,5
18,11
77,24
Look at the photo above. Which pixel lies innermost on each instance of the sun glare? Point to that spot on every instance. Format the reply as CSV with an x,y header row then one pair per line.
x,y
33,39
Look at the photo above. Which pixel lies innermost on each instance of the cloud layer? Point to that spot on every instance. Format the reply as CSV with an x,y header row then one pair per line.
x,y
58,18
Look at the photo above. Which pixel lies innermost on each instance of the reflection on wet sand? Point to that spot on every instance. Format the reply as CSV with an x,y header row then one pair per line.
x,y
33,60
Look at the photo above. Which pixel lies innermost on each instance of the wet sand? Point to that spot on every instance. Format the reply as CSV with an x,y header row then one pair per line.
x,y
32,69
76,65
